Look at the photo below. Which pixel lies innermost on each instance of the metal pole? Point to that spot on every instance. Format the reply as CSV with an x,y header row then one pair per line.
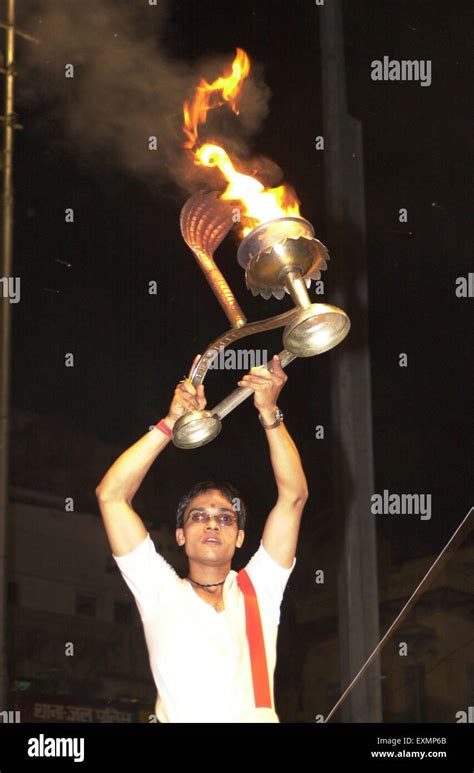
x,y
350,376
6,271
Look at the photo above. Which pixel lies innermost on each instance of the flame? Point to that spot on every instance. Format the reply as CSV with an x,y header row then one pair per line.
x,y
207,96
260,204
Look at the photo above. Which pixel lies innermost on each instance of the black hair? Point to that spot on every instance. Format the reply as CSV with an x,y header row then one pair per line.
x,y
227,489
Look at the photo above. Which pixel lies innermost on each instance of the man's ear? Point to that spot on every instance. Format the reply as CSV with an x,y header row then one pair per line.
x,y
240,538
180,538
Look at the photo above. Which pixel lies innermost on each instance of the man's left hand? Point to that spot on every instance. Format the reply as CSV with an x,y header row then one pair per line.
x,y
265,384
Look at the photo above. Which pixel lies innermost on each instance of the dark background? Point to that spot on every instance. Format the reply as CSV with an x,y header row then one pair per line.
x,y
131,348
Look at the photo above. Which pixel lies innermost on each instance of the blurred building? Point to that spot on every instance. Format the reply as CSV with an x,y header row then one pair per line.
x,y
427,666
75,636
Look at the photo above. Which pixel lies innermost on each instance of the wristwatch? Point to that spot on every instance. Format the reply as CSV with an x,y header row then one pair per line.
x,y
278,419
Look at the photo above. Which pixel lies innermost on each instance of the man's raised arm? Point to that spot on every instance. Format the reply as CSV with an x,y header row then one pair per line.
x,y
125,529
280,535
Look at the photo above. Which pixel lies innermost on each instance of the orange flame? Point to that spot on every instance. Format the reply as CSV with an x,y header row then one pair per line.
x,y
260,204
229,85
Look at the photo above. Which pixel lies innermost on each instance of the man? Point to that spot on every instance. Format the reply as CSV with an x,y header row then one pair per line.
x,y
211,636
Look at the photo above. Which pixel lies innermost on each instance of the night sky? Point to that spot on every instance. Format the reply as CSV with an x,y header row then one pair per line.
x,y
131,348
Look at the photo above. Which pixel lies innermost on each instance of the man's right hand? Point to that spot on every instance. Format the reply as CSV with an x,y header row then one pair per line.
x,y
186,397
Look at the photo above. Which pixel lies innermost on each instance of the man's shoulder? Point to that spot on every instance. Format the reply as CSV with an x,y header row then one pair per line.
x,y
145,559
263,561
269,579
267,574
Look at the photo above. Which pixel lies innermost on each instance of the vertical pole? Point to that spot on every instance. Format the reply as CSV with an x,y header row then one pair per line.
x,y
350,374
6,271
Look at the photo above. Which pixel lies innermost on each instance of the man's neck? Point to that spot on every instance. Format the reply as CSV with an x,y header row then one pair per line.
x,y
211,577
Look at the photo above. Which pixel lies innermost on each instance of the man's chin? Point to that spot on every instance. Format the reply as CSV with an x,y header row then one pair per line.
x,y
212,554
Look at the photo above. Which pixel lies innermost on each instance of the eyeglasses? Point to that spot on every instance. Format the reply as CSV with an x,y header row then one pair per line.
x,y
223,519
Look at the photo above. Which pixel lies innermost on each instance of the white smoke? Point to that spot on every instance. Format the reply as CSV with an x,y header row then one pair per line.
x,y
126,88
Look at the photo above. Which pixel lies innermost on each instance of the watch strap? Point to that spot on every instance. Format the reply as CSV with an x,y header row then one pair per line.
x,y
278,420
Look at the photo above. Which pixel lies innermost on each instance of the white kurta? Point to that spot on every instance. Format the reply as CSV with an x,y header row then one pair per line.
x,y
199,657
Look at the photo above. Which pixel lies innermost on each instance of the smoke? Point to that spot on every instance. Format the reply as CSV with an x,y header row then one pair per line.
x,y
126,88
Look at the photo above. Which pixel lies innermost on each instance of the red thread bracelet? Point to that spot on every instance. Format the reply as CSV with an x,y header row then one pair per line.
x,y
162,425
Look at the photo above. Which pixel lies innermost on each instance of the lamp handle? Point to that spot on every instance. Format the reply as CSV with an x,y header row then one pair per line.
x,y
241,393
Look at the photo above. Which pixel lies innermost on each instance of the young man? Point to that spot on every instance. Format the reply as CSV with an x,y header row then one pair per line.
x,y
211,637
